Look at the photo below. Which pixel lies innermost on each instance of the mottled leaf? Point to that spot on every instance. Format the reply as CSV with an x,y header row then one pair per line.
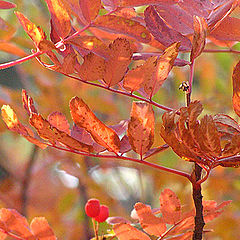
x,y
135,78
119,58
85,118
125,231
41,229
122,25
60,17
59,121
199,37
92,69
236,89
53,135
150,223
163,67
170,206
141,127
162,32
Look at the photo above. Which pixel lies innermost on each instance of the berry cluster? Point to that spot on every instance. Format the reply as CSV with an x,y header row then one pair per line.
x,y
94,210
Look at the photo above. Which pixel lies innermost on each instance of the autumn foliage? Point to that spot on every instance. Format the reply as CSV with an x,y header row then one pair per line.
x,y
135,49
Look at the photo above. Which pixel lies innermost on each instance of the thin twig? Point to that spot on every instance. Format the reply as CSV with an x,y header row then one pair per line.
x,y
153,165
165,108
27,180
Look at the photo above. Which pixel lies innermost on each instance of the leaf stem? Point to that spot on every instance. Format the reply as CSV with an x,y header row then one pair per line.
x,y
21,60
190,81
165,108
153,165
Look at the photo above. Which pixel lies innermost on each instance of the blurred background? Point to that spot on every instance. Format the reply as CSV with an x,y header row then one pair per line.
x,y
57,184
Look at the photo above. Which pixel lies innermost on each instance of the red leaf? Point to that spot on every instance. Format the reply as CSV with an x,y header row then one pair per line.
x,y
170,206
162,32
135,3
6,5
149,222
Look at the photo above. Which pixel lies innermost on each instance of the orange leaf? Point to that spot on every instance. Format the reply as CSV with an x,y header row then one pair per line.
x,y
163,67
134,3
85,118
122,25
119,58
170,206
92,68
69,62
15,223
199,37
60,17
12,122
236,89
41,229
135,78
34,32
125,231
150,223
90,8
141,127
12,49
53,135
59,121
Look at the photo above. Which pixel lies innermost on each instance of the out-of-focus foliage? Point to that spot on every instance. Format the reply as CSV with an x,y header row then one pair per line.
x,y
60,183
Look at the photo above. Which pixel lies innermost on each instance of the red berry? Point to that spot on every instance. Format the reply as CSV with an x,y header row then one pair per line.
x,y
92,207
103,215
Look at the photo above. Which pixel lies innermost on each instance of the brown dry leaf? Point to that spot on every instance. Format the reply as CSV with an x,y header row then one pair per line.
x,y
85,118
15,223
141,127
125,231
150,223
232,147
60,17
59,121
34,32
12,122
208,137
163,67
199,37
41,229
92,69
168,134
52,134
170,206
90,9
117,24
120,55
135,78
236,89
